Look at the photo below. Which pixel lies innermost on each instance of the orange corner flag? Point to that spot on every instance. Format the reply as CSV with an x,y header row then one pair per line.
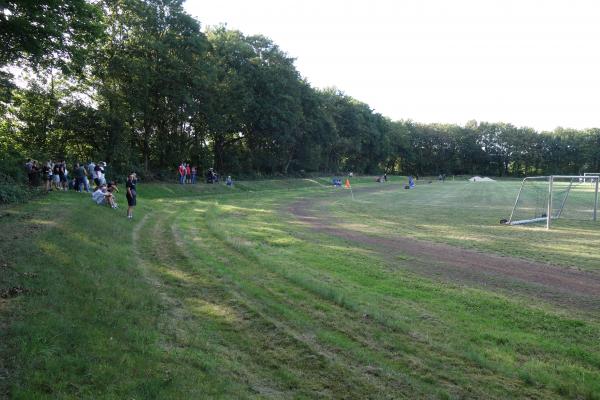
x,y
347,185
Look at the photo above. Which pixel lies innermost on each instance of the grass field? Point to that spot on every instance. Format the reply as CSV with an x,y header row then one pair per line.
x,y
292,289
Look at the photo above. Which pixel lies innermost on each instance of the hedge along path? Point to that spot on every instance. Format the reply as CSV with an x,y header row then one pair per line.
x,y
561,286
401,361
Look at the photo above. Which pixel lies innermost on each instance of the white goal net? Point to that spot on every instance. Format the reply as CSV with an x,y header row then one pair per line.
x,y
547,198
588,176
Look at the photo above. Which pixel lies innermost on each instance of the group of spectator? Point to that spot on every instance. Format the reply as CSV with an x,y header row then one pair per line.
x,y
55,176
187,173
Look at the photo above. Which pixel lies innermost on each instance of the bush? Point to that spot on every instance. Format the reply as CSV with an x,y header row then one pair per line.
x,y
13,192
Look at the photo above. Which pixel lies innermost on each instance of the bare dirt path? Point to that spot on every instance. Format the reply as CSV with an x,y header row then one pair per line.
x,y
561,286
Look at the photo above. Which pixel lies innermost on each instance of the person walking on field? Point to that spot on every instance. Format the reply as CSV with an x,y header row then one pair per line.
x,y
131,194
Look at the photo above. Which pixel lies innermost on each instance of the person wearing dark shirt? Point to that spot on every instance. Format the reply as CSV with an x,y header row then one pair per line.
x,y
131,194
79,178
47,175
62,174
56,176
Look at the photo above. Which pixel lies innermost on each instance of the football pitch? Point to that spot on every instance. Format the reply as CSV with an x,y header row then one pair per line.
x,y
293,289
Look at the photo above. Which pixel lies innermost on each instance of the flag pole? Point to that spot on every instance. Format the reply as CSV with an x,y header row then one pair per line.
x,y
348,186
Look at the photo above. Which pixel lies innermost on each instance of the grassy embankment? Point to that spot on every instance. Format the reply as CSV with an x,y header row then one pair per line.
x,y
218,293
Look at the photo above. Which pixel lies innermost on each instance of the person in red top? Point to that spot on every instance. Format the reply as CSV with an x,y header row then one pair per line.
x,y
181,173
188,173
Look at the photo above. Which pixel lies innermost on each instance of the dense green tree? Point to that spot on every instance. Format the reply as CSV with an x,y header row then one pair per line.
x,y
138,84
150,78
49,32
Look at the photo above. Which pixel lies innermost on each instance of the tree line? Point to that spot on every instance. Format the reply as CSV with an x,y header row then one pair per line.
x,y
138,84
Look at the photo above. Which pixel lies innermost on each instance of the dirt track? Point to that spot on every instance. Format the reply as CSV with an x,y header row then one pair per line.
x,y
559,285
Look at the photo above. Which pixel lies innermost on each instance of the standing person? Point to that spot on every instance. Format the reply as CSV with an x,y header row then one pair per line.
x,y
194,173
86,181
90,169
35,173
29,169
131,194
99,174
188,173
63,173
47,175
97,168
181,171
56,175
80,178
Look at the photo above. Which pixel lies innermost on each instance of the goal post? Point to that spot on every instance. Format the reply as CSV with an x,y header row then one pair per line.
x,y
588,175
547,198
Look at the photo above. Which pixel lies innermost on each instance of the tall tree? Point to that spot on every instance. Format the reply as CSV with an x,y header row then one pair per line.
x,y
48,32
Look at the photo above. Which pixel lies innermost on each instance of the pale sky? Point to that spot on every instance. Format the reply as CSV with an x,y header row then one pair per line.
x,y
530,63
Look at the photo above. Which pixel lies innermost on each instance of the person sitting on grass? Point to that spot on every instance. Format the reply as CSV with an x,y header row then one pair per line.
x,y
102,196
112,189
98,196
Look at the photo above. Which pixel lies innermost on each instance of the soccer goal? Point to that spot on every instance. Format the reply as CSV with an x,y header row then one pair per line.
x,y
547,198
588,175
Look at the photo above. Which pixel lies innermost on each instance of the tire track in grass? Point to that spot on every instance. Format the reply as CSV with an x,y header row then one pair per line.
x,y
269,345
365,328
335,367
179,324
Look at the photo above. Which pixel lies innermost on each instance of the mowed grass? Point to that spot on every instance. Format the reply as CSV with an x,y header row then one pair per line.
x,y
212,292
467,214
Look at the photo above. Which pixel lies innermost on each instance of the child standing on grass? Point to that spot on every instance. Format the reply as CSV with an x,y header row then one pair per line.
x,y
131,194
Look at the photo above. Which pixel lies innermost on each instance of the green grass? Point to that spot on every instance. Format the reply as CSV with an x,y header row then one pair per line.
x,y
467,215
212,292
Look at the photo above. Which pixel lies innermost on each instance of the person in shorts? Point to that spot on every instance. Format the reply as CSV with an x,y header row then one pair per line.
x,y
131,194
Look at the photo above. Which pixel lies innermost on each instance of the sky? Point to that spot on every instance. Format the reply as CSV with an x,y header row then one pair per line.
x,y
532,63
